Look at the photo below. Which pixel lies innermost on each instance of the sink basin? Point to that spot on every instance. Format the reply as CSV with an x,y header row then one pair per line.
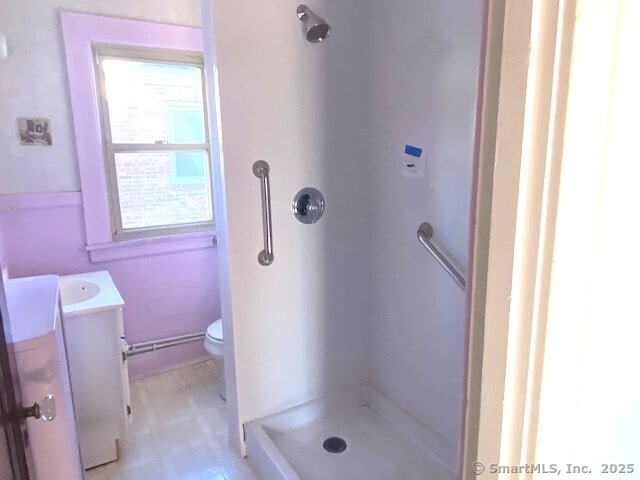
x,y
77,291
88,292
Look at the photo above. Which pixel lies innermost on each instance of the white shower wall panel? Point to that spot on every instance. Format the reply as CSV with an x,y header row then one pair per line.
x,y
297,325
425,61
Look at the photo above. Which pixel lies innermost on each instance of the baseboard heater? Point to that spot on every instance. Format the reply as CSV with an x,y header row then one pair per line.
x,y
153,345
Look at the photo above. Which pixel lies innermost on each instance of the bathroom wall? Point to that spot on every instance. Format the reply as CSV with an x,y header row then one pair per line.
x,y
424,74
3,255
33,82
166,294
299,325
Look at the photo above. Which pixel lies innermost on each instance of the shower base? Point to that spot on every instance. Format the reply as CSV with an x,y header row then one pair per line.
x,y
290,445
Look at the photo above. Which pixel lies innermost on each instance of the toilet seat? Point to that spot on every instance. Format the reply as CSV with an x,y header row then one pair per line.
x,y
214,331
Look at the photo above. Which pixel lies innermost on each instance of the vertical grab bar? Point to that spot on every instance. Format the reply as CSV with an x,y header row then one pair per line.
x,y
425,234
261,170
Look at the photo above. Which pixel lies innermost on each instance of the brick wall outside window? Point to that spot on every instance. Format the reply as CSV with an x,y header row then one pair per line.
x,y
149,195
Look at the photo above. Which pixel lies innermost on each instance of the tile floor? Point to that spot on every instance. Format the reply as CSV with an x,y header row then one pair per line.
x,y
179,431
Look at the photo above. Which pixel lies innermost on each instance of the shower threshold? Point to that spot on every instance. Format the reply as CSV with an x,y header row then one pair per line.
x,y
356,434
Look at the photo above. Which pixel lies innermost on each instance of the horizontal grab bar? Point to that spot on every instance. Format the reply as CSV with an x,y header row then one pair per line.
x,y
425,234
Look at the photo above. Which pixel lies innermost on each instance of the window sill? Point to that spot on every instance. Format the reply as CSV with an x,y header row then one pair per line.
x,y
143,247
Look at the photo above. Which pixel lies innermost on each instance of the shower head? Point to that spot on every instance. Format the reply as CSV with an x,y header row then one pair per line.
x,y
314,27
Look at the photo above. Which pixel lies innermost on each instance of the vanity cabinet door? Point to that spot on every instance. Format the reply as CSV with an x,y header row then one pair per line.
x,y
99,382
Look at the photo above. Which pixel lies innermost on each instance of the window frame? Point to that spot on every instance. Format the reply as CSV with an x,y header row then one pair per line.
x,y
79,32
104,51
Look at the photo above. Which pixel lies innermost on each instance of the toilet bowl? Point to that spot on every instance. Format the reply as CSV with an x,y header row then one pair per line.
x,y
214,345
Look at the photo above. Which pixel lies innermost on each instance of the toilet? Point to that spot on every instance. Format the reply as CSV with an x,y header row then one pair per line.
x,y
213,344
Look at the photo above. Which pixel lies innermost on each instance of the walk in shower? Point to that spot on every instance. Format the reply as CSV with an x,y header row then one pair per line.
x,y
345,345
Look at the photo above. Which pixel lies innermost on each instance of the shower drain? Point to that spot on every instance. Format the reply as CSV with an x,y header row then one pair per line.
x,y
335,445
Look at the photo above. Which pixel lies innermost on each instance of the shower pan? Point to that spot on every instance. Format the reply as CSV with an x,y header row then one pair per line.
x,y
346,336
373,438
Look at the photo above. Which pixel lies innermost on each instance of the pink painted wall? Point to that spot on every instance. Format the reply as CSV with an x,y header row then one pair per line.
x,y
165,294
2,249
170,286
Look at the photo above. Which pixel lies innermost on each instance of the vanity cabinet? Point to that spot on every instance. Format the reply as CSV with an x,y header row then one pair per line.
x,y
94,332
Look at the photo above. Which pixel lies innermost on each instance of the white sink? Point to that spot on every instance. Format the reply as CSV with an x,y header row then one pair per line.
x,y
77,291
88,292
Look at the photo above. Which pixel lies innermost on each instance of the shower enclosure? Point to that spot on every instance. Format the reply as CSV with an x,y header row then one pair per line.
x,y
345,351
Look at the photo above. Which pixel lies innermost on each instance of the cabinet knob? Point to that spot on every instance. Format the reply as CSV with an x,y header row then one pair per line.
x,y
45,410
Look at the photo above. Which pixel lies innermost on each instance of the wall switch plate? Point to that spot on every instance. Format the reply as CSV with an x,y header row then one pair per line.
x,y
34,131
413,162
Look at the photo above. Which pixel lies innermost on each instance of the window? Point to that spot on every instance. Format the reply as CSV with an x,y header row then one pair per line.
x,y
155,140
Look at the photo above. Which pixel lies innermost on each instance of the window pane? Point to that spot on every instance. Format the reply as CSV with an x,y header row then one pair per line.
x,y
189,165
186,126
154,191
154,102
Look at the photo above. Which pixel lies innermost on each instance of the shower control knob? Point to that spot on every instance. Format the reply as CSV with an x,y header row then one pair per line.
x,y
308,205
